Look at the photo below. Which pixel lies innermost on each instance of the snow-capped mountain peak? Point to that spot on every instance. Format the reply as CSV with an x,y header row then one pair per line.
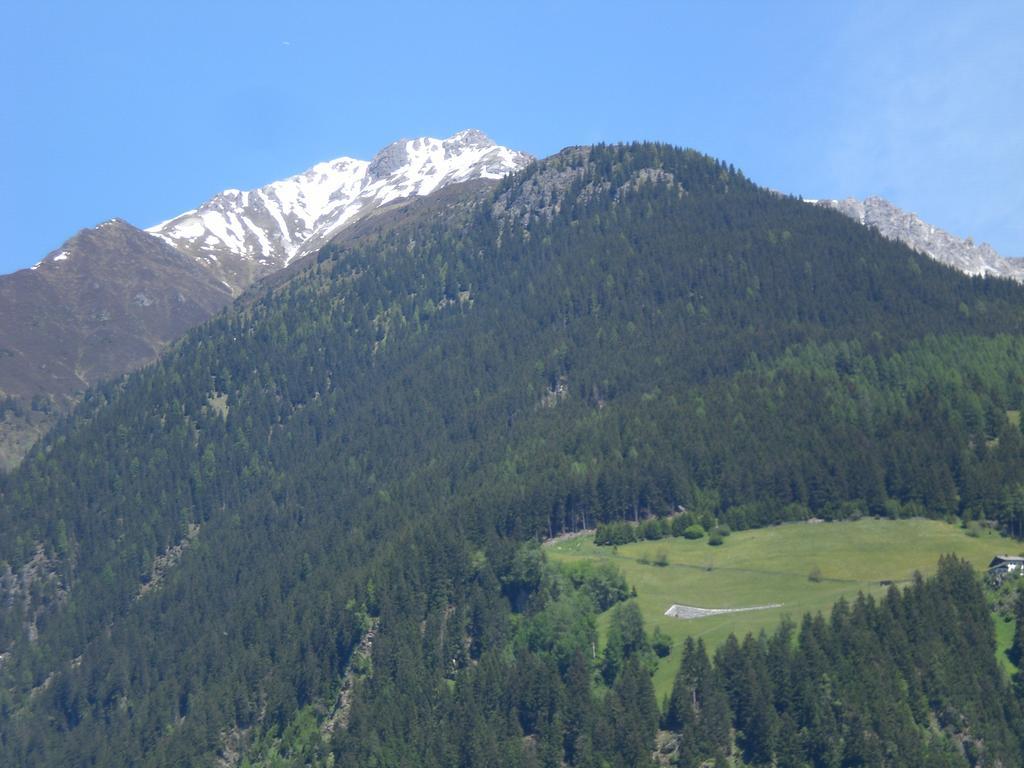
x,y
243,235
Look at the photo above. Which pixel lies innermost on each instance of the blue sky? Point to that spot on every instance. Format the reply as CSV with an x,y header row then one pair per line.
x,y
143,110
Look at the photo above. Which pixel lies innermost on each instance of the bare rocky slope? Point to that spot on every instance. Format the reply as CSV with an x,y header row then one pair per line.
x,y
106,302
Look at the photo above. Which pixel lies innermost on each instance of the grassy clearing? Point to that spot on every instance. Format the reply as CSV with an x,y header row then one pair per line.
x,y
772,565
1004,639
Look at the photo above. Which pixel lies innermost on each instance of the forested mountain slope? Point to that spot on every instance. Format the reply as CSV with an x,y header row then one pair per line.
x,y
113,296
194,556
107,301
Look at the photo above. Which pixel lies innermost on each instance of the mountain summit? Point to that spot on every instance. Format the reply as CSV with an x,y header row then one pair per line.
x,y
242,236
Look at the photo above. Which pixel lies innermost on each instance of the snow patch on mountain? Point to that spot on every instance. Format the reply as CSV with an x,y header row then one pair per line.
x,y
53,258
908,228
243,235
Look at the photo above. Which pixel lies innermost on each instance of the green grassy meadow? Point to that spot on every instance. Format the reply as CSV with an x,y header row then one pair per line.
x,y
772,565
1004,639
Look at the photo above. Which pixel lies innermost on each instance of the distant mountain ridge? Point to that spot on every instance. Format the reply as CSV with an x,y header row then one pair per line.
x,y
242,236
113,296
110,298
895,223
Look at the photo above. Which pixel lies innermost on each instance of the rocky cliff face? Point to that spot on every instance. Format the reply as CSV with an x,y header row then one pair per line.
x,y
961,253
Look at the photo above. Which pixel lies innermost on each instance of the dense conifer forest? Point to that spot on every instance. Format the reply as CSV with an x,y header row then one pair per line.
x,y
302,537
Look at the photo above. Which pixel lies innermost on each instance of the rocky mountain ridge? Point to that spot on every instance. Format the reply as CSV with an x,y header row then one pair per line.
x,y
908,228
